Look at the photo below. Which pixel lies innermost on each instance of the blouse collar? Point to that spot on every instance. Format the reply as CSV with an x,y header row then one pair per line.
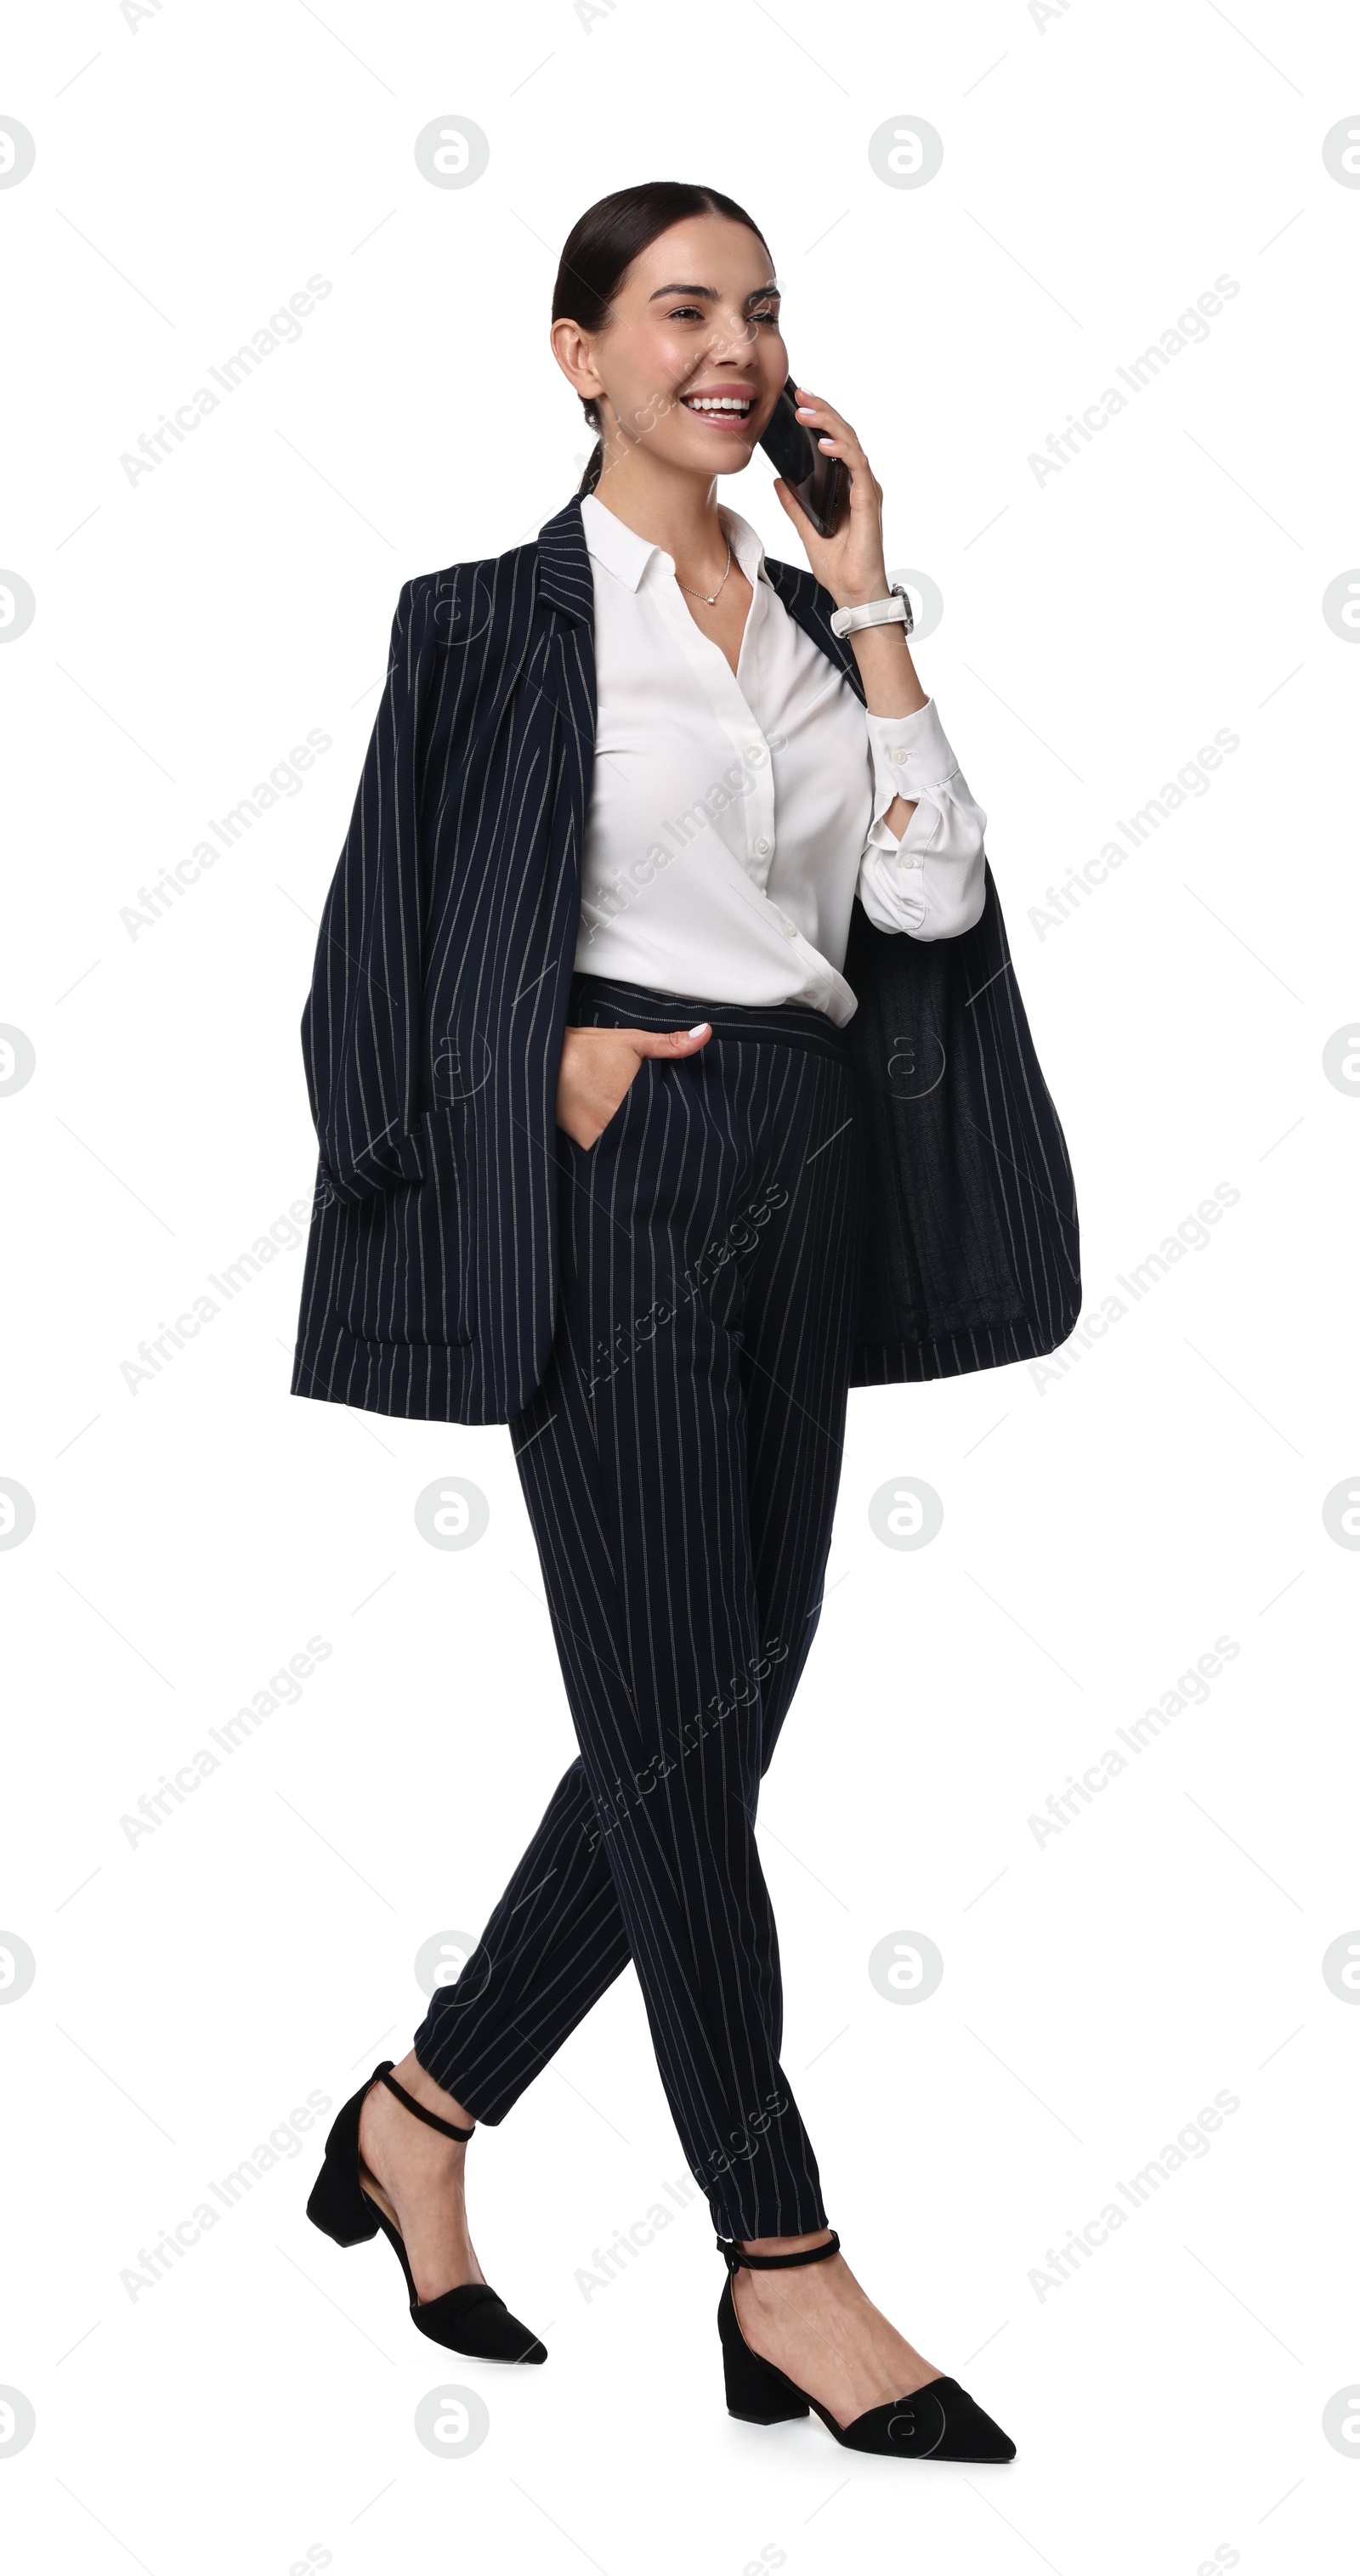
x,y
628,556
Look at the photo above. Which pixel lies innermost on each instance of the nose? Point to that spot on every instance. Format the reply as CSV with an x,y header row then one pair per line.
x,y
732,339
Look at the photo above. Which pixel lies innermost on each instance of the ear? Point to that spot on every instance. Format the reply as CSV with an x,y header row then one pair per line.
x,y
571,346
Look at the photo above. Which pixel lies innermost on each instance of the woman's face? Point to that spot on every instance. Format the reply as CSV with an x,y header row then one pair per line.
x,y
692,363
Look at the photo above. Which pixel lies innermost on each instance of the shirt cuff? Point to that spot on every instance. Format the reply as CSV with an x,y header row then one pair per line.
x,y
911,755
892,889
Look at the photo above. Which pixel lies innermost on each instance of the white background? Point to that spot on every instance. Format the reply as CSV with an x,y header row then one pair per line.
x,y
1102,1527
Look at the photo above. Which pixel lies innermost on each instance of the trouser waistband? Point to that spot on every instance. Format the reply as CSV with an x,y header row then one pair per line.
x,y
600,1001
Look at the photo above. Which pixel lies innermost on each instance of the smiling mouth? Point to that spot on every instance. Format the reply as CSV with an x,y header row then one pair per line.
x,y
724,409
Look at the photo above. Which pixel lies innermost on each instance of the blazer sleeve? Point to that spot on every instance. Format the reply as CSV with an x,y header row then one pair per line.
x,y
361,1023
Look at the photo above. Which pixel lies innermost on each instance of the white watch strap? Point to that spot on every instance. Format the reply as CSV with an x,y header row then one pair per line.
x,y
872,612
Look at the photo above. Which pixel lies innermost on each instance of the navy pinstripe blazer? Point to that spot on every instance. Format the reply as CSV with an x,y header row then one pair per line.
x,y
433,1031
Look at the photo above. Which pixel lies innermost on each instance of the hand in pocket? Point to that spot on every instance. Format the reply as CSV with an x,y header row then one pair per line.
x,y
599,1065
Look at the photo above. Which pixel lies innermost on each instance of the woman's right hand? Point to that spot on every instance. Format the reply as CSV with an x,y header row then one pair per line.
x,y
598,1066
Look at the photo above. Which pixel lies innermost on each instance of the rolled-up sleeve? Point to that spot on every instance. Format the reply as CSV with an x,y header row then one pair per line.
x,y
932,883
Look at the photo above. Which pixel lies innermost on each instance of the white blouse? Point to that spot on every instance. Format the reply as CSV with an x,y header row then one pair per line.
x,y
733,819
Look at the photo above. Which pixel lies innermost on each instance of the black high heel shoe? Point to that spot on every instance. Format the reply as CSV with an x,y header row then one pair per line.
x,y
937,2422
469,2319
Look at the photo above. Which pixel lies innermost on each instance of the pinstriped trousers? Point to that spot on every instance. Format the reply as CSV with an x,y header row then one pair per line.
x,y
680,1461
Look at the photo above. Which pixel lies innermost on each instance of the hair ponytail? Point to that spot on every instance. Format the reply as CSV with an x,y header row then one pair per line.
x,y
603,245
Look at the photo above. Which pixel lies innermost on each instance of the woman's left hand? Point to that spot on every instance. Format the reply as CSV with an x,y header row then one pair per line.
x,y
850,564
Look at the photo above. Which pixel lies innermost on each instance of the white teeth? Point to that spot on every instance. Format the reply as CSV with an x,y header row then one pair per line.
x,y
716,402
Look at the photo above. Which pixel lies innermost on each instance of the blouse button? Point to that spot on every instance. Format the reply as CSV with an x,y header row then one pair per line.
x,y
899,752
755,752
762,846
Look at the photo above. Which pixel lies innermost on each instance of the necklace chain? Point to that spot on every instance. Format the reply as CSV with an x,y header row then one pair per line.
x,y
709,598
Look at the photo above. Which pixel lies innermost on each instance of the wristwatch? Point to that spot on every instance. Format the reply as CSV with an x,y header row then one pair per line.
x,y
875,612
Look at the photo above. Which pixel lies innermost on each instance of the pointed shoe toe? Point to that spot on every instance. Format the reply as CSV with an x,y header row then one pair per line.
x,y
473,2319
970,2433
937,2422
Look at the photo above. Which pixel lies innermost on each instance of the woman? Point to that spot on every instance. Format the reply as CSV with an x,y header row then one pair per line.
x,y
641,837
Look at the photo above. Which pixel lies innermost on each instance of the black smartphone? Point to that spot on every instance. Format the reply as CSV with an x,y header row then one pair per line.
x,y
821,482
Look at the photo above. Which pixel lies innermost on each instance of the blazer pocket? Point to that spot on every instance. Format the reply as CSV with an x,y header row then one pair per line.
x,y
406,1268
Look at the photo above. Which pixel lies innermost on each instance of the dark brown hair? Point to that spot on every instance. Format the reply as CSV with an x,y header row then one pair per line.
x,y
603,245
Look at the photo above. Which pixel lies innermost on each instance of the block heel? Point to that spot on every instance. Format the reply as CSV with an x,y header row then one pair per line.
x,y
337,2205
757,2393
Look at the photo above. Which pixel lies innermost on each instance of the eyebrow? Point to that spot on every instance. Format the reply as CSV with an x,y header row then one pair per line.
x,y
758,294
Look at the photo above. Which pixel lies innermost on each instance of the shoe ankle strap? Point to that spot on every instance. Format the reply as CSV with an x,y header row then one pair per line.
x,y
737,2261
446,2128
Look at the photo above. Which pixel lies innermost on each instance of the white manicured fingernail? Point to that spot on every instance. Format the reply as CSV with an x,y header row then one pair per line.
x,y
698,1028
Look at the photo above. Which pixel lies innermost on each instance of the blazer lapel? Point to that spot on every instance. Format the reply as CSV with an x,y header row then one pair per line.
x,y
565,579
811,606
566,587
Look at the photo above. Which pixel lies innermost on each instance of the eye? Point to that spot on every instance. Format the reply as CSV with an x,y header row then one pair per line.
x,y
684,313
